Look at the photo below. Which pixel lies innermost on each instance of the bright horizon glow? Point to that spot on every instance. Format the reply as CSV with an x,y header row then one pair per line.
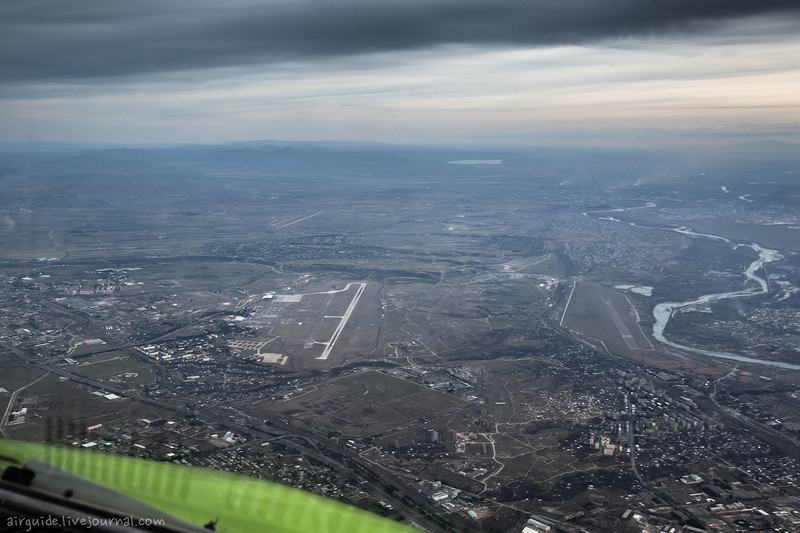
x,y
647,90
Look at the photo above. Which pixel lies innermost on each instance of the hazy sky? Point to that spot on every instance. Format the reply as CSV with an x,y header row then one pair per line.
x,y
444,71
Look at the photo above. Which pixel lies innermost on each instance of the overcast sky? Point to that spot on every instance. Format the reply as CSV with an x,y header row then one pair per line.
x,y
652,72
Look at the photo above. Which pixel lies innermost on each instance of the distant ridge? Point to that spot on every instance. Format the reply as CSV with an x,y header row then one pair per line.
x,y
763,149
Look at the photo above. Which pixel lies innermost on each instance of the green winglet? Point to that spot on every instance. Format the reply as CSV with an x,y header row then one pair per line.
x,y
200,496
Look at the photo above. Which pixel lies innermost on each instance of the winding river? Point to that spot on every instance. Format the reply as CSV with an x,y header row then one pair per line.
x,y
663,311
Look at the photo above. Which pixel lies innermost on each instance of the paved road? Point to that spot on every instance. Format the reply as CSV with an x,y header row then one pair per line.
x,y
13,399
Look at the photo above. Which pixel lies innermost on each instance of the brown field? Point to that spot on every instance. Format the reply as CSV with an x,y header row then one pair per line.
x,y
327,328
14,375
112,367
590,312
294,325
365,404
340,301
57,408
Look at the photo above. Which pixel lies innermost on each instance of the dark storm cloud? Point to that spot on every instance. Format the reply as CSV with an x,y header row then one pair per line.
x,y
77,39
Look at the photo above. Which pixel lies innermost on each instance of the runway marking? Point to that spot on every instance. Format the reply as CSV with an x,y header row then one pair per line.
x,y
621,327
343,321
300,219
